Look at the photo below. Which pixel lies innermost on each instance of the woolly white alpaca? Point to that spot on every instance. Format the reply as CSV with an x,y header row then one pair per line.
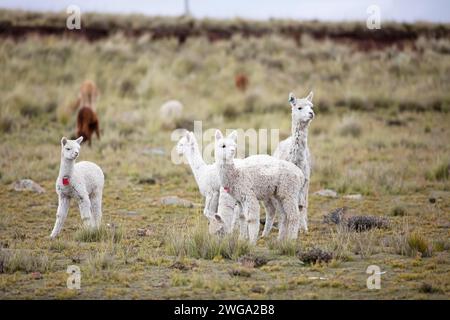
x,y
295,148
83,181
207,178
263,177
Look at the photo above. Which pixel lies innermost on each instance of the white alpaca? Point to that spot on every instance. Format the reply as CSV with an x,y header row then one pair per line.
x,y
262,178
83,181
207,178
295,148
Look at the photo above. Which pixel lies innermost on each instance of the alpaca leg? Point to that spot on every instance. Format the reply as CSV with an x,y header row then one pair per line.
x,y
252,215
292,222
96,208
304,209
61,214
282,223
226,210
243,228
270,216
206,209
85,211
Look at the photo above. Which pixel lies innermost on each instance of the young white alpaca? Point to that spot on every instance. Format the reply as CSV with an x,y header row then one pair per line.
x,y
263,177
207,178
83,181
295,148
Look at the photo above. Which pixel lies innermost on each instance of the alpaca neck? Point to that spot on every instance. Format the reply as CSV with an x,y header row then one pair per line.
x,y
227,173
297,153
196,162
66,167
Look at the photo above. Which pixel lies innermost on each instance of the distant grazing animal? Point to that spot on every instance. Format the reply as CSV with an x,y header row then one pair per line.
x,y
83,181
295,148
264,178
241,82
87,124
87,96
170,112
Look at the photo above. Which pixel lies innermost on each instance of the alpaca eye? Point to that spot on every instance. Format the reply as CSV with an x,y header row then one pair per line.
x,y
299,108
223,146
68,149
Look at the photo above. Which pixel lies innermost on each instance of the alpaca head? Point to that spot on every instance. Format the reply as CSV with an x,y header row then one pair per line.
x,y
186,145
302,109
225,147
216,226
70,149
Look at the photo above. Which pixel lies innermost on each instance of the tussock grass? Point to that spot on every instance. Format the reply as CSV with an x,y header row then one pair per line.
x,y
284,247
417,243
102,234
196,242
440,172
350,127
102,260
23,260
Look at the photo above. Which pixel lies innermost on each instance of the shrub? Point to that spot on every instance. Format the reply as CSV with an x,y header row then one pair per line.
x,y
315,255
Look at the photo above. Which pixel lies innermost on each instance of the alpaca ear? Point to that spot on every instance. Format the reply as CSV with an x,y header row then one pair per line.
x,y
218,135
292,99
310,96
79,140
233,136
63,141
218,218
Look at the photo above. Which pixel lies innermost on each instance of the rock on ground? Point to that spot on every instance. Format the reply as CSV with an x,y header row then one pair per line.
x,y
353,196
176,201
27,185
326,193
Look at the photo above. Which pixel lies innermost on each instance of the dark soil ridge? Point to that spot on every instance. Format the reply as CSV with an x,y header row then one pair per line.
x,y
18,24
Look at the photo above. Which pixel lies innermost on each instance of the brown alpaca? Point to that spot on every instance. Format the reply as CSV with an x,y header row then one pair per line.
x,y
87,96
87,124
241,82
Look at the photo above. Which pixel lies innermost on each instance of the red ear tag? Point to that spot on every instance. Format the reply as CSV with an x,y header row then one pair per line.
x,y
226,189
65,181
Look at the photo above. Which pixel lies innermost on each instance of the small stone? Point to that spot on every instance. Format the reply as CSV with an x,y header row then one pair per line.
x,y
36,275
326,193
154,151
27,185
356,196
176,201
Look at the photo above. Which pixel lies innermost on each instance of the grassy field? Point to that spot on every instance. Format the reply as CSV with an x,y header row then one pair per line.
x,y
381,130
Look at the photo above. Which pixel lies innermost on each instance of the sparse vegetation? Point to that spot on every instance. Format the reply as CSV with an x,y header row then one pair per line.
x,y
196,242
366,138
